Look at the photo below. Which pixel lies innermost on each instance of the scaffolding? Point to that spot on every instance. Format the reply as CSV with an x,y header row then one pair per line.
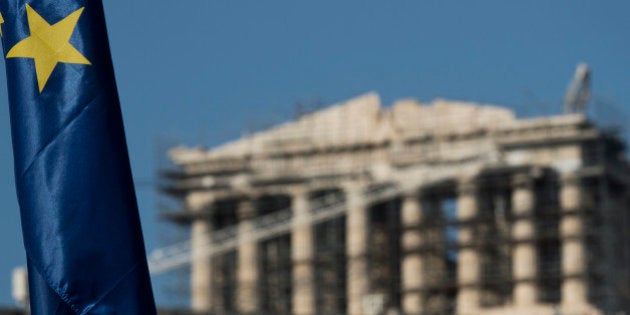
x,y
520,209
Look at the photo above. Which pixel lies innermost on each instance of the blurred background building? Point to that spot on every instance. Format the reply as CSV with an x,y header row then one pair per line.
x,y
439,208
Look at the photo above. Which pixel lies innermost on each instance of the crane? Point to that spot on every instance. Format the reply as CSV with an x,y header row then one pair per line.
x,y
579,90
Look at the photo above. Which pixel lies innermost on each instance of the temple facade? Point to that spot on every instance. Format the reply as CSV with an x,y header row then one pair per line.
x,y
439,208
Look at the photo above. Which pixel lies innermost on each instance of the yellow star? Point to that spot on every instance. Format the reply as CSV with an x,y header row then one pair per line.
x,y
1,22
48,44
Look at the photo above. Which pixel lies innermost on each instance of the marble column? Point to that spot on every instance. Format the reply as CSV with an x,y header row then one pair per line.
x,y
357,229
412,270
201,265
574,287
248,269
469,259
524,254
302,255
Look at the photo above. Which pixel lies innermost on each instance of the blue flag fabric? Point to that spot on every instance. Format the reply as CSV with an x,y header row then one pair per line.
x,y
79,214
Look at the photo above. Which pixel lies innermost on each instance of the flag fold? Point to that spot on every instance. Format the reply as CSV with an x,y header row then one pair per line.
x,y
79,214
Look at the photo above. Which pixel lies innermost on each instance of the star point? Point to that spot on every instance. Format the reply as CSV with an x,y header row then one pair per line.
x,y
1,22
48,45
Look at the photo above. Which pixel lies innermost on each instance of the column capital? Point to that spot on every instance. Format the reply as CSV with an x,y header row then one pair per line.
x,y
570,179
522,180
352,186
412,194
246,209
467,185
298,190
200,201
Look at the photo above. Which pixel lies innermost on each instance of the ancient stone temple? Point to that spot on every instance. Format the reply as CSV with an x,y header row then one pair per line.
x,y
438,208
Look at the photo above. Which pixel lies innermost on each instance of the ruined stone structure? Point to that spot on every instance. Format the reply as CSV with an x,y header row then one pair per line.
x,y
439,208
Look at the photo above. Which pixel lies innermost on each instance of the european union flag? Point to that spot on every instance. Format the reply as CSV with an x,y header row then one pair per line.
x,y
78,207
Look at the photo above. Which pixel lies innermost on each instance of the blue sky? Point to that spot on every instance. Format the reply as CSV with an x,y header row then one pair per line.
x,y
201,72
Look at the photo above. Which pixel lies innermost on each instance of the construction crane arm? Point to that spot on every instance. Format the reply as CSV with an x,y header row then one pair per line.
x,y
579,90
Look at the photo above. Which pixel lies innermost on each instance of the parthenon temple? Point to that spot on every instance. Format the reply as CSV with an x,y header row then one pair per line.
x,y
416,208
